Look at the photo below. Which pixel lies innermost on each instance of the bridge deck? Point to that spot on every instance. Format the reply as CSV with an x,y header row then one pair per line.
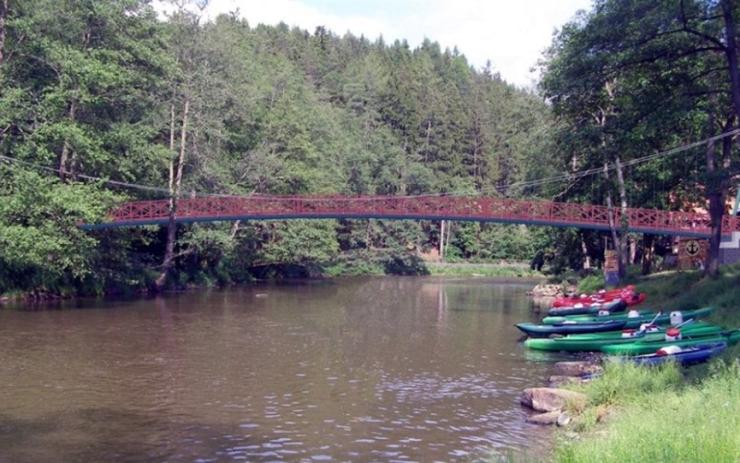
x,y
474,208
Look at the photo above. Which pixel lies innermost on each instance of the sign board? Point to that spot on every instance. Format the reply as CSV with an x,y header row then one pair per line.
x,y
611,263
611,268
692,253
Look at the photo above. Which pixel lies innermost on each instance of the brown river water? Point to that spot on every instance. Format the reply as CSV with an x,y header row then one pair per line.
x,y
370,369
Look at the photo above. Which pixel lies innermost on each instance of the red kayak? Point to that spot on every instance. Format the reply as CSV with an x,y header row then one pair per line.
x,y
627,294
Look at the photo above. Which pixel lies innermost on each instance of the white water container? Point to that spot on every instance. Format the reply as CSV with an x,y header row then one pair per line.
x,y
633,314
649,328
676,318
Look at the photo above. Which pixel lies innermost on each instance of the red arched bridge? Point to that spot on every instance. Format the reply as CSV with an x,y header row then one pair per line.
x,y
471,208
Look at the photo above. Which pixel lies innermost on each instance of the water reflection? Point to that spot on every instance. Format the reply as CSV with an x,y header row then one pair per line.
x,y
383,369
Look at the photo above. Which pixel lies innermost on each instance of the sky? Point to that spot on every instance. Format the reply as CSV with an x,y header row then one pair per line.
x,y
512,34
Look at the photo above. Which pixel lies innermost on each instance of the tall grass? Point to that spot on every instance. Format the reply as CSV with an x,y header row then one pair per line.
x,y
680,424
624,382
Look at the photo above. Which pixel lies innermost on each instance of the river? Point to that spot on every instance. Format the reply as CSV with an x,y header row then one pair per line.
x,y
368,369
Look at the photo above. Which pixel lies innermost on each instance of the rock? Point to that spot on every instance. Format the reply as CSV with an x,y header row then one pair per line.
x,y
547,399
544,418
563,420
547,290
576,368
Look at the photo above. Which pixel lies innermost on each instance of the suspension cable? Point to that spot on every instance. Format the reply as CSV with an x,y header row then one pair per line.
x,y
521,184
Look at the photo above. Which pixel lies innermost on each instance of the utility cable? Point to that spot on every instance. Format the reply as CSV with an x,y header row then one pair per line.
x,y
570,176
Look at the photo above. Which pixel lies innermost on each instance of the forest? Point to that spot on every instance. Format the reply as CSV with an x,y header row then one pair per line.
x,y
111,100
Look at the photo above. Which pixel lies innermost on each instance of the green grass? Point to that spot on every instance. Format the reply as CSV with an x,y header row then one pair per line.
x,y
590,284
666,414
513,270
665,422
623,382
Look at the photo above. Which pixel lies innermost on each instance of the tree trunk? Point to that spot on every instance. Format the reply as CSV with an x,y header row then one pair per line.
x,y
586,255
426,141
648,251
3,15
716,211
442,241
175,182
622,250
234,229
66,148
616,240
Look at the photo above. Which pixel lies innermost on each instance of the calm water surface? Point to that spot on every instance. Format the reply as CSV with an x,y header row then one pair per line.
x,y
381,369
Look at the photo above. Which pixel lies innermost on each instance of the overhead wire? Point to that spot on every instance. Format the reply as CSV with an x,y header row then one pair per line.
x,y
569,176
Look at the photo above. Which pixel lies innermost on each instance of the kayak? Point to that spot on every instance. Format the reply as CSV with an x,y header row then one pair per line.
x,y
645,316
539,331
687,356
649,347
581,309
595,341
634,299
601,296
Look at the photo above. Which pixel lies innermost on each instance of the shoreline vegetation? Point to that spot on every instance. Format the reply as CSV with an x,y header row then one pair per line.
x,y
663,414
516,270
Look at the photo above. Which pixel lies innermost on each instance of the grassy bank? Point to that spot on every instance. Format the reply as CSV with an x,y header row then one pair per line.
x,y
504,269
666,414
416,266
655,415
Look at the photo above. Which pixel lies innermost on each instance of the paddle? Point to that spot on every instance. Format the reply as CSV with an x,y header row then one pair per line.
x,y
643,330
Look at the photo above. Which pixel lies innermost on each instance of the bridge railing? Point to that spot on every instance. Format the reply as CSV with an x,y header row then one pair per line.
x,y
420,207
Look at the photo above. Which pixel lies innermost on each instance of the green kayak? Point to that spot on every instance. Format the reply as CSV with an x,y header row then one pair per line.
x,y
648,346
595,341
645,317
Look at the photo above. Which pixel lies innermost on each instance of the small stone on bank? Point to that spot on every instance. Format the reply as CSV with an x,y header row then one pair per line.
x,y
544,418
576,368
547,399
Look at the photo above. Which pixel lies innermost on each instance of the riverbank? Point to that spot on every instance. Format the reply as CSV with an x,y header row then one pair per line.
x,y
400,266
665,414
499,269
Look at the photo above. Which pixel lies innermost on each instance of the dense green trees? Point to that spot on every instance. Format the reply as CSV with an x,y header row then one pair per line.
x,y
106,89
631,77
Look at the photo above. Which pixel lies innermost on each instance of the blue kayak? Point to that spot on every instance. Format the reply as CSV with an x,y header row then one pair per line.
x,y
617,305
541,331
687,356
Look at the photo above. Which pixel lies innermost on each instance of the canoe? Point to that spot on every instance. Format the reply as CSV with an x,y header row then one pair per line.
x,y
644,317
581,309
538,331
687,356
635,299
595,341
649,347
601,296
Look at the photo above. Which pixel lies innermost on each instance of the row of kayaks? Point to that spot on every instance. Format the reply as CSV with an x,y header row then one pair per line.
x,y
621,343
597,297
580,324
645,337
613,301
